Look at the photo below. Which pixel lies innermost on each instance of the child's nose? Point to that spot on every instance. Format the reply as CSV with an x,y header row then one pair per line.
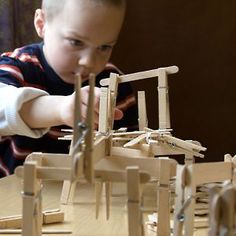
x,y
87,59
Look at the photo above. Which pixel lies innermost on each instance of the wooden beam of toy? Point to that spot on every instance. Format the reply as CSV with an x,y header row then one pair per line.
x,y
142,75
47,173
50,159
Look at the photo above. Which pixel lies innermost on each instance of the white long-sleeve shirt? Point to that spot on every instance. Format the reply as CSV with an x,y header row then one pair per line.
x,y
11,100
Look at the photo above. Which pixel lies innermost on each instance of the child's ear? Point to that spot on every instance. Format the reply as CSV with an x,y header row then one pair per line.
x,y
39,22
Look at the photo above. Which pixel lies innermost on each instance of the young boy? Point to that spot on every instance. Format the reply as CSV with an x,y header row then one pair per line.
x,y
37,81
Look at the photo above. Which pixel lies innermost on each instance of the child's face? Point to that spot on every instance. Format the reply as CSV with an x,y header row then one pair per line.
x,y
81,37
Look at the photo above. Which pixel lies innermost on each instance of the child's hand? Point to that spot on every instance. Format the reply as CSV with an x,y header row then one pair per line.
x,y
67,112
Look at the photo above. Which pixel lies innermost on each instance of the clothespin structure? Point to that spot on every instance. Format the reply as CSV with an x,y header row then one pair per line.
x,y
146,141
222,215
117,150
109,156
188,177
41,166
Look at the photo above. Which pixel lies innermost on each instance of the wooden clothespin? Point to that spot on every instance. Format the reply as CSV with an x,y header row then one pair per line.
x,y
179,209
83,132
32,201
222,211
142,110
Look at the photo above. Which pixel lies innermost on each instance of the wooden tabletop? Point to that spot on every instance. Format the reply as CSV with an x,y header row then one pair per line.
x,y
79,217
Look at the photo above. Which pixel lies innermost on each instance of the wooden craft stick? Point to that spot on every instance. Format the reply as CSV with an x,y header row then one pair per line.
x,y
15,221
141,75
135,140
118,176
128,152
44,231
132,133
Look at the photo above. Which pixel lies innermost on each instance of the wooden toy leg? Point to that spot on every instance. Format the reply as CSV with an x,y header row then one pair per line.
x,y
190,193
163,205
134,214
68,192
98,193
69,186
108,198
32,202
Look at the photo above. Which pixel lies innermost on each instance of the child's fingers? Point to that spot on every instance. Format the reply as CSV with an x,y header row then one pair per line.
x,y
118,114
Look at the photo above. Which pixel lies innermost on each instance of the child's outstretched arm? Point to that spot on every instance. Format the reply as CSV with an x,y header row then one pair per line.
x,y
31,112
47,111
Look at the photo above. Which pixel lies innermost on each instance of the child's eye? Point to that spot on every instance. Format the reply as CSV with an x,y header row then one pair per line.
x,y
76,43
105,48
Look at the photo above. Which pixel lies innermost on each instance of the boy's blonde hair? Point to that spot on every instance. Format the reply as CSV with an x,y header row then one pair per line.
x,y
53,7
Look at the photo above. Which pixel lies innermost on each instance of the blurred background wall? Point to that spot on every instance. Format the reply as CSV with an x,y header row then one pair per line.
x,y
200,38
16,23
197,36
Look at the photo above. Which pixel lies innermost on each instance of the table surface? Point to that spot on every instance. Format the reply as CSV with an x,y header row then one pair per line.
x,y
79,216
